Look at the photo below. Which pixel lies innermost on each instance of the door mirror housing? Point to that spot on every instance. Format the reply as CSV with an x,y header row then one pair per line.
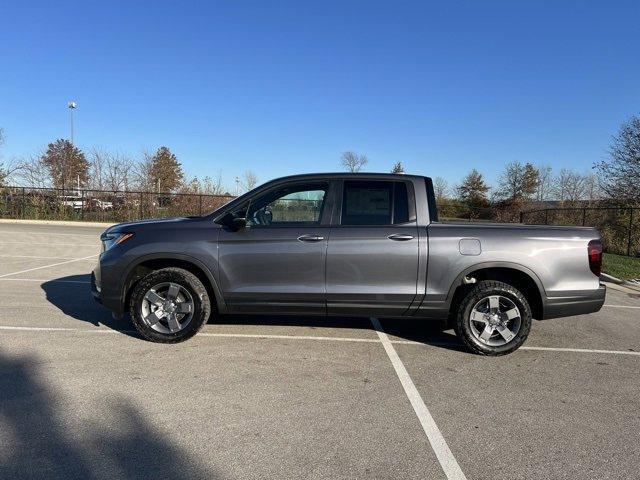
x,y
238,223
233,223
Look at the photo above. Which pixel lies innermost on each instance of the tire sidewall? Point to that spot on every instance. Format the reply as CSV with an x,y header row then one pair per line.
x,y
201,306
483,290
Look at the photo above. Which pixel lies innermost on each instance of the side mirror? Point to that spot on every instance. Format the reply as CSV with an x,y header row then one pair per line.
x,y
239,223
233,223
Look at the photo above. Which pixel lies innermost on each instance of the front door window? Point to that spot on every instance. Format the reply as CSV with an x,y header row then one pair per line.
x,y
292,205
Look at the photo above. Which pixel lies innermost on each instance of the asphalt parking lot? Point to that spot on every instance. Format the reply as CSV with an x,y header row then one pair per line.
x,y
81,396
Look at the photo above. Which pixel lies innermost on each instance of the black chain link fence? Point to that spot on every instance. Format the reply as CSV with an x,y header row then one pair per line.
x,y
101,205
618,225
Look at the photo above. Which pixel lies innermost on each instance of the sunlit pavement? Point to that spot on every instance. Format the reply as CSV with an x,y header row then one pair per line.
x,y
81,396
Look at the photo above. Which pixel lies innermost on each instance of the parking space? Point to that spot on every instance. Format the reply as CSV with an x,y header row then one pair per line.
x,y
81,396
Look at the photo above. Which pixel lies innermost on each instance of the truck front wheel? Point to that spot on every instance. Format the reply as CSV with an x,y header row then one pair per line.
x,y
494,318
169,305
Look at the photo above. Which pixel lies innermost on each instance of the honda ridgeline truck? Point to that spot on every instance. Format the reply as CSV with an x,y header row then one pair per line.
x,y
347,245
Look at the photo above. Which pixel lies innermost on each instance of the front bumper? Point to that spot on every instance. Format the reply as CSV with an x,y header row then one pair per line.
x,y
105,288
95,289
574,303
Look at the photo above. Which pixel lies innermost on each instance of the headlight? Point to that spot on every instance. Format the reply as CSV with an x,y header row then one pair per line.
x,y
111,239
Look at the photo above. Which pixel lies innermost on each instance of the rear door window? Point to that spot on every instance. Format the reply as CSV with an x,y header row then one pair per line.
x,y
374,203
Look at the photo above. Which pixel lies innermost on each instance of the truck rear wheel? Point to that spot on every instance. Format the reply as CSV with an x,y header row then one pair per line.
x,y
494,318
169,305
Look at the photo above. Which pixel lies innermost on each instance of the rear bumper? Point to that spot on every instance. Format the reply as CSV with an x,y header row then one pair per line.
x,y
574,303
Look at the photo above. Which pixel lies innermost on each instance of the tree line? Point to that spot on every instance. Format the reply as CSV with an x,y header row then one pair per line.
x,y
64,165
617,179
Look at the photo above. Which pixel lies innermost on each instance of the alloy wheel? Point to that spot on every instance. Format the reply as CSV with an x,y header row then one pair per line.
x,y
167,307
495,320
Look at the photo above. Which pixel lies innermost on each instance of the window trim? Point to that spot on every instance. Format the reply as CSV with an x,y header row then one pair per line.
x,y
411,200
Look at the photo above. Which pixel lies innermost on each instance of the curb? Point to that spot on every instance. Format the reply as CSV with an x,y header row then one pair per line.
x,y
611,279
623,283
62,223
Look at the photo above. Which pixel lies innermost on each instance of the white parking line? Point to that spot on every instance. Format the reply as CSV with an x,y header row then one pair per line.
x,y
447,461
314,337
619,306
33,256
49,244
27,232
62,329
289,337
42,280
581,350
47,266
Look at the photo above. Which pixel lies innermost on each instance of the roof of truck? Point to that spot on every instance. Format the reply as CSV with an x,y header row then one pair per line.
x,y
371,175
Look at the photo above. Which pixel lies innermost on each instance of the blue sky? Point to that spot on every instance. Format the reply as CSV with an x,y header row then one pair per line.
x,y
285,87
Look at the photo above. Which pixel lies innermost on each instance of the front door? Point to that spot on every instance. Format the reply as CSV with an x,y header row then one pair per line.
x,y
372,256
277,263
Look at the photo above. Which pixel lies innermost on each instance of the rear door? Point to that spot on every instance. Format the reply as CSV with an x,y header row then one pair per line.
x,y
372,255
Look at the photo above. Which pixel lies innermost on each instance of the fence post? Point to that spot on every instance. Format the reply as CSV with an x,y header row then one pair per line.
x,y
521,217
630,232
24,205
584,216
81,204
546,216
140,206
200,204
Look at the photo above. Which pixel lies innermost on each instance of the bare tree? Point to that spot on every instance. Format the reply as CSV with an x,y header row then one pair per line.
x,y
517,182
353,162
97,162
206,186
249,180
142,173
110,171
592,190
8,168
214,186
119,171
545,183
620,175
33,172
569,186
440,189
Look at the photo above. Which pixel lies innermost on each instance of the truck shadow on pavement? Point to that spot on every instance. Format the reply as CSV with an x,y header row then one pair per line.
x,y
43,437
71,295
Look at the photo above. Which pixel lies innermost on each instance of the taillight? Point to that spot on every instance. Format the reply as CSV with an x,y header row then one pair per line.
x,y
594,250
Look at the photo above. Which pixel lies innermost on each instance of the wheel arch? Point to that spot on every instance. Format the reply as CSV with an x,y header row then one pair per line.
x,y
519,276
143,265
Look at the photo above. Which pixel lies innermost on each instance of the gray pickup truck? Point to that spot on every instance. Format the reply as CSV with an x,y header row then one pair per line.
x,y
347,244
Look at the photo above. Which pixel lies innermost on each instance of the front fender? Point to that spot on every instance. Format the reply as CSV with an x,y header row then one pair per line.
x,y
129,269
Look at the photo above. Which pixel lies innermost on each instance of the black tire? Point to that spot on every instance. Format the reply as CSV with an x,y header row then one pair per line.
x,y
478,293
186,280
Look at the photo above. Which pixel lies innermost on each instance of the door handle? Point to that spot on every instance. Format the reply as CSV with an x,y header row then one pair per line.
x,y
400,237
310,238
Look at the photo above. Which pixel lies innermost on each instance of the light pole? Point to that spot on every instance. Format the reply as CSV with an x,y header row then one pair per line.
x,y
72,106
